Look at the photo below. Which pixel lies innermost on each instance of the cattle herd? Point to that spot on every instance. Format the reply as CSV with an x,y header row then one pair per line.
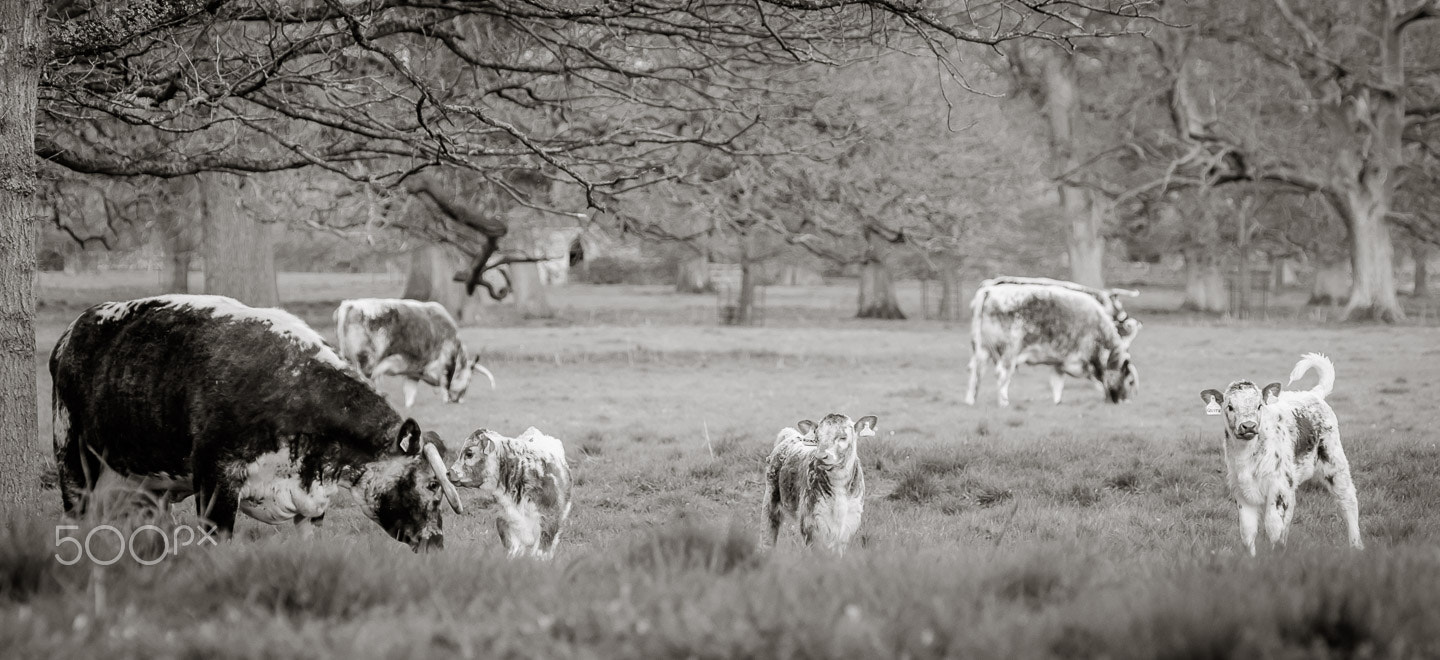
x,y
250,410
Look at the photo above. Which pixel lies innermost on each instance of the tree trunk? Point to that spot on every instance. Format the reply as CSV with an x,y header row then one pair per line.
x,y
1086,245
21,50
527,291
1061,107
1204,284
432,277
1331,284
239,251
693,275
877,292
745,302
1421,252
949,293
1372,260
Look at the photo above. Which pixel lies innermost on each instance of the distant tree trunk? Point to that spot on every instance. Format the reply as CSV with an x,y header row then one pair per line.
x,y
1331,285
21,54
1060,104
1421,252
877,292
745,303
432,277
527,291
1204,283
1086,244
239,251
949,293
177,233
177,267
1372,256
693,275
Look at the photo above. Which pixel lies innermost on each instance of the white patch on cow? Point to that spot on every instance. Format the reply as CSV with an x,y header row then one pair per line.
x,y
542,444
279,321
272,492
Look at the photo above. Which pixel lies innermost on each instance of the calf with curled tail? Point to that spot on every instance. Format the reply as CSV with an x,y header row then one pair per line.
x,y
814,476
1275,441
527,475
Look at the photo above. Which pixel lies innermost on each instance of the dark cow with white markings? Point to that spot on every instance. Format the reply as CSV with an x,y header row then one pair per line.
x,y
246,408
415,340
1019,323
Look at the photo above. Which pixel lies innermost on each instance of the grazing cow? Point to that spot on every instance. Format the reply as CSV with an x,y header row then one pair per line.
x,y
246,408
408,338
1125,324
1275,441
1070,330
813,475
529,478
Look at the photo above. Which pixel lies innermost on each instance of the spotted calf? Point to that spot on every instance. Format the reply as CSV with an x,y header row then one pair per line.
x,y
813,475
1277,440
528,476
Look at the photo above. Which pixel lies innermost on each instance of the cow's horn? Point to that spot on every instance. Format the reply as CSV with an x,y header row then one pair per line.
x,y
437,465
481,368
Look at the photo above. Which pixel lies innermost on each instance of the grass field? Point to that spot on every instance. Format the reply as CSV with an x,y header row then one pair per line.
x,y
1079,530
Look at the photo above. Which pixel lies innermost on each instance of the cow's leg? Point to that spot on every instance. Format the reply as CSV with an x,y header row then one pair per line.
x,y
410,387
1249,526
302,523
1057,385
1336,476
1004,369
390,365
977,365
1278,510
774,514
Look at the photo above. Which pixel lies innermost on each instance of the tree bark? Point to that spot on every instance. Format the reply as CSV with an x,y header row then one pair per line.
x,y
21,54
527,291
693,275
1421,252
239,251
1372,257
1331,284
1060,104
432,277
1204,283
949,293
877,292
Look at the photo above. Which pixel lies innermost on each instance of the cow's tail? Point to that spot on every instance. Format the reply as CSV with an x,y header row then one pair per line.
x,y
1322,367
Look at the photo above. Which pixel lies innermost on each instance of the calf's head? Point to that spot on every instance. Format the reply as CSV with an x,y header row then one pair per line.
x,y
402,493
836,435
478,463
1241,403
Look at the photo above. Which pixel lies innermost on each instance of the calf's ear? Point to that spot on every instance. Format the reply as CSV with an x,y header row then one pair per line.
x,y
1212,396
407,441
866,425
805,426
1271,393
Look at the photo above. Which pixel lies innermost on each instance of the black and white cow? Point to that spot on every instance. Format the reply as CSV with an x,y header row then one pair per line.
x,y
1035,323
414,340
246,408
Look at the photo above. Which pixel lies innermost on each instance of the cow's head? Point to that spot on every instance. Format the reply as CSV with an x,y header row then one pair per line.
x,y
478,463
456,378
1241,403
1127,329
403,492
837,435
1121,378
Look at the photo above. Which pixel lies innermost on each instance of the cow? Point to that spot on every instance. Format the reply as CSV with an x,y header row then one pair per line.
x,y
408,338
1275,441
246,408
1070,330
528,476
1125,324
814,476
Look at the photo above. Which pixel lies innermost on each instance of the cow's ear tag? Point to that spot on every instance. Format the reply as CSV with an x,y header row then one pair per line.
x,y
1212,408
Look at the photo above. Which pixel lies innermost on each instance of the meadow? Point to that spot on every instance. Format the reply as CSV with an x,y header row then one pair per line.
x,y
1078,530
